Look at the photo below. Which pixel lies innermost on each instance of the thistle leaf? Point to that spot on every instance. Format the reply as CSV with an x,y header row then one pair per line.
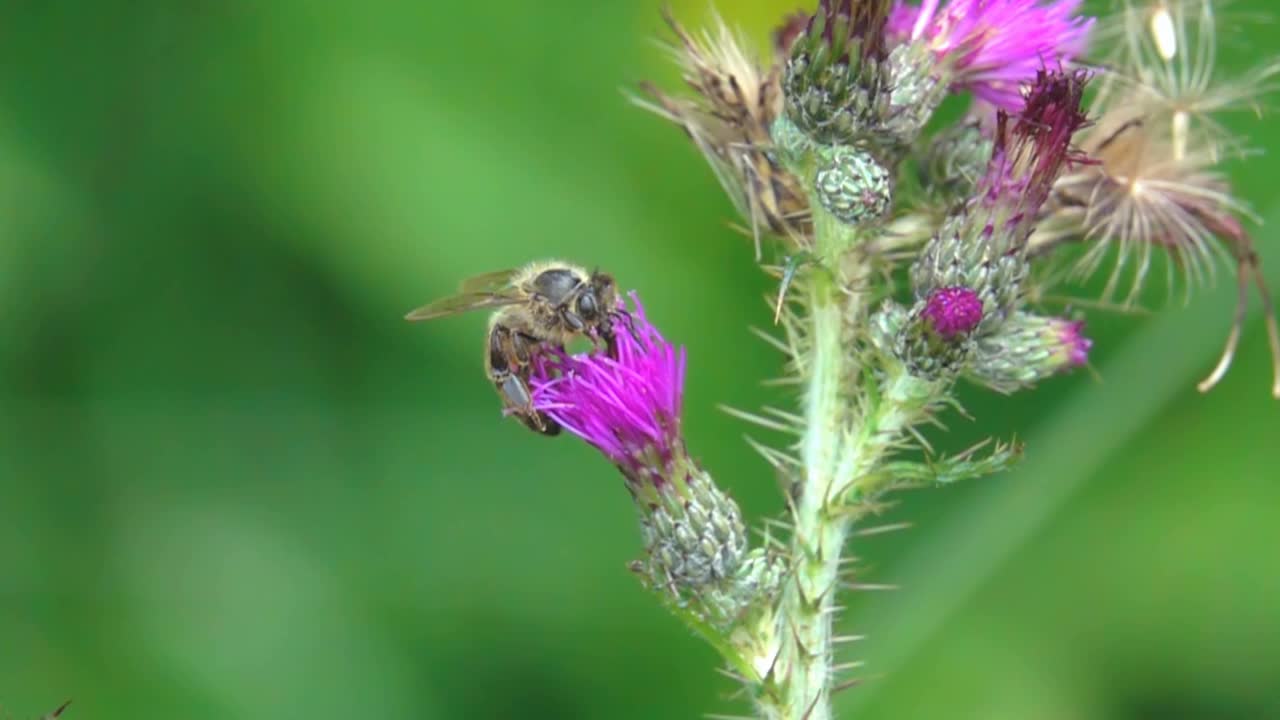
x,y
947,470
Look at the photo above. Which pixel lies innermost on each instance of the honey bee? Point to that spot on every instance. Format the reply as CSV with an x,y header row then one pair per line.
x,y
543,304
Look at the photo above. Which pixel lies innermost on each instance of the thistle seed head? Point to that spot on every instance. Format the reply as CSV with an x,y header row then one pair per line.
x,y
1157,187
736,101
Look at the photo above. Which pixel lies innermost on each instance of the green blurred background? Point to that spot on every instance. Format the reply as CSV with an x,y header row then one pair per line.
x,y
233,483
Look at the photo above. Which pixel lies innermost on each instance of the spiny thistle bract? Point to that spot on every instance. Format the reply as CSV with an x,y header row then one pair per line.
x,y
1066,152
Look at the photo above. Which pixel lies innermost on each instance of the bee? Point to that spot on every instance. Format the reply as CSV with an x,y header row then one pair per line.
x,y
543,304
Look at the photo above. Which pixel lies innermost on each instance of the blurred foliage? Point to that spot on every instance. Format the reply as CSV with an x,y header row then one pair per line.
x,y
233,483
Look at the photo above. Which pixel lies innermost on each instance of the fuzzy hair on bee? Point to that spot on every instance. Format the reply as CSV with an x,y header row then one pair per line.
x,y
541,305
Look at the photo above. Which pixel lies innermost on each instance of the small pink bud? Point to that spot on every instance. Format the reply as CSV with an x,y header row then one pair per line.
x,y
1073,342
953,311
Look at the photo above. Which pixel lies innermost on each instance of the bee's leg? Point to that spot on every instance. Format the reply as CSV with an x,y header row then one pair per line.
x,y
609,330
509,370
630,325
516,393
523,346
572,320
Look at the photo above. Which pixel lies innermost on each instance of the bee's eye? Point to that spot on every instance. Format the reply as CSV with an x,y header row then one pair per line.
x,y
587,305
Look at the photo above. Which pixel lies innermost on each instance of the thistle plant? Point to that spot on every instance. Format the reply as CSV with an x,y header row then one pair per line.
x,y
912,256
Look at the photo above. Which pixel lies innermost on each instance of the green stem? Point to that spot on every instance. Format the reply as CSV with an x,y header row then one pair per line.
x,y
846,435
803,671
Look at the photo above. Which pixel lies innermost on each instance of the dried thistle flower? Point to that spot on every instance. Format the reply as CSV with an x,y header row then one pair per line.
x,y
1156,184
982,246
993,47
736,100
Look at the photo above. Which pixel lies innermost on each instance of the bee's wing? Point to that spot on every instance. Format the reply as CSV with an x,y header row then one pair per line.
x,y
462,302
488,282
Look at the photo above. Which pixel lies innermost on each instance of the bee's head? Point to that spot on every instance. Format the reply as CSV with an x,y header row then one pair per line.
x,y
604,309
599,300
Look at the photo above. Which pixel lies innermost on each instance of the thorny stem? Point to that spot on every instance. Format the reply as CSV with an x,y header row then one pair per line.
x,y
843,441
805,663
803,674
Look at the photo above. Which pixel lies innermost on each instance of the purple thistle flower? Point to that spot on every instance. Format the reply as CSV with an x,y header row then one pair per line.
x,y
627,403
628,407
953,311
994,46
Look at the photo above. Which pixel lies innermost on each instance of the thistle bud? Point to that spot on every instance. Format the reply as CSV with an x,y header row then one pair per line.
x,y
954,162
917,91
853,186
935,342
982,246
1027,349
835,82
627,404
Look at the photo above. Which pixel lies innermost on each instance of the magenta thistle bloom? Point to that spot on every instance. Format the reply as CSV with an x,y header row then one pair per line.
x,y
628,406
953,311
993,47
